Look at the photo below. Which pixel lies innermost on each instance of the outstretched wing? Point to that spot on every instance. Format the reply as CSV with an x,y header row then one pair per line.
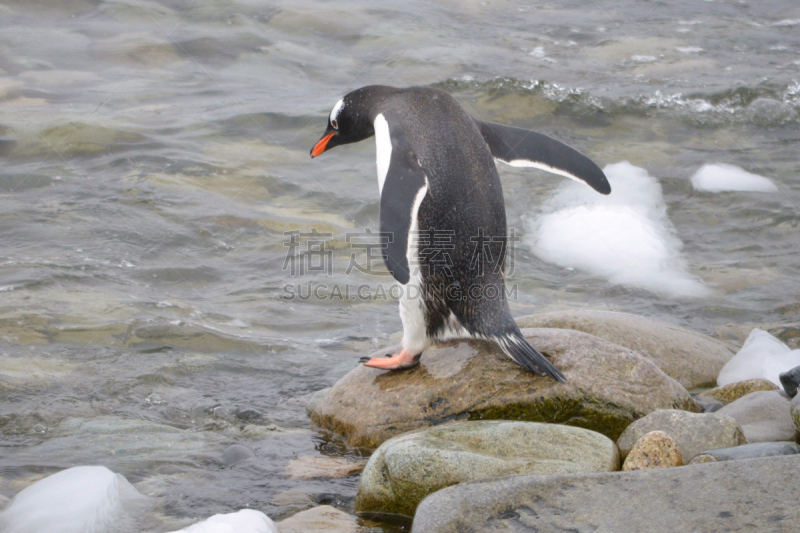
x,y
525,148
403,187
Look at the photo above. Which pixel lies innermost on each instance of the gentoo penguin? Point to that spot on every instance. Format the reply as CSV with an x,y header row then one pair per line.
x,y
436,176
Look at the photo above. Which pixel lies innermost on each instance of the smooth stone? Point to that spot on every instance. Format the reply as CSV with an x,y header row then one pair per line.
x,y
405,469
654,450
607,388
689,357
733,391
321,467
730,496
790,381
704,458
236,453
750,451
293,500
707,405
764,416
322,519
693,433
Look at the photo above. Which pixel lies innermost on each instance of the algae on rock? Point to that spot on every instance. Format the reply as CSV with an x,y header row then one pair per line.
x,y
405,469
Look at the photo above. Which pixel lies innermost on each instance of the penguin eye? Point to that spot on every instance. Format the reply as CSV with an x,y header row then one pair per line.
x,y
335,124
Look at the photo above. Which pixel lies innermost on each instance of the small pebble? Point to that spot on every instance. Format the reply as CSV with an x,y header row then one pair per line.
x,y
236,453
653,450
790,380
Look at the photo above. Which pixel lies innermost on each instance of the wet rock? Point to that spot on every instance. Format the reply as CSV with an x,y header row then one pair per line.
x,y
321,466
691,358
748,451
755,495
790,381
236,453
733,391
250,416
766,112
707,405
654,450
293,500
692,432
764,416
407,468
322,519
607,388
315,399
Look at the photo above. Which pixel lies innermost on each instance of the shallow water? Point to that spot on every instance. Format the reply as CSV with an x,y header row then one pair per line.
x,y
154,154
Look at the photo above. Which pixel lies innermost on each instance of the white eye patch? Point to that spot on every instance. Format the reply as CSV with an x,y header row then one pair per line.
x,y
335,112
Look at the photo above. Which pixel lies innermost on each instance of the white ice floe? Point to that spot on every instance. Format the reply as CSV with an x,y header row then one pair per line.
x,y
625,237
244,521
720,177
83,499
762,356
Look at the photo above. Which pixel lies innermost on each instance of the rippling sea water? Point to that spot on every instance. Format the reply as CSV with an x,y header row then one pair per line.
x,y
153,156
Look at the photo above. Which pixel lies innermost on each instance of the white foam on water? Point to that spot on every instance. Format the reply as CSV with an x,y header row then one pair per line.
x,y
720,177
624,237
762,356
82,499
244,521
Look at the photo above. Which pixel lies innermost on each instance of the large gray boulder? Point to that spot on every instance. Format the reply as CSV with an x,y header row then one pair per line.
x,y
607,388
693,433
732,496
764,416
405,469
691,358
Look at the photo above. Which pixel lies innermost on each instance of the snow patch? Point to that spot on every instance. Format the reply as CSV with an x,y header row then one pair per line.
x,y
625,237
762,356
82,499
720,177
244,521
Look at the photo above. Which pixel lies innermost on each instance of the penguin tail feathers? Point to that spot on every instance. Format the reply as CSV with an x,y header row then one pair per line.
x,y
524,354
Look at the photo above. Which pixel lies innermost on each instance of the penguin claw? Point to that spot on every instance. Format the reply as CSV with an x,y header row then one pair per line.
x,y
402,361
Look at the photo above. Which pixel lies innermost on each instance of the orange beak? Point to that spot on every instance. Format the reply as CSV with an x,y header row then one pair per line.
x,y
320,146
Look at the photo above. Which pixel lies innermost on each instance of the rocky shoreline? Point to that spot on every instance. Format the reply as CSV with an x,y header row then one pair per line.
x,y
468,441
657,426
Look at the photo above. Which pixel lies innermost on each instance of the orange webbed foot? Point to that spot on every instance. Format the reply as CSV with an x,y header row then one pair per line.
x,y
402,361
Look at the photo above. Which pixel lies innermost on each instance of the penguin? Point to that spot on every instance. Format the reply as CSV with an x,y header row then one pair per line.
x,y
442,213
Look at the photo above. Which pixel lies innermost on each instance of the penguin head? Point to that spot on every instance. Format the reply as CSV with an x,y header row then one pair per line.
x,y
348,122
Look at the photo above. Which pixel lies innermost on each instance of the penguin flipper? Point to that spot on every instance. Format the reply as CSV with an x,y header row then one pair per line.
x,y
403,190
523,353
524,148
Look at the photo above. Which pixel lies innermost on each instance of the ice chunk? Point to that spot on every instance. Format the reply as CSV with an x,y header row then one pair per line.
x,y
244,521
83,499
761,356
719,177
625,237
